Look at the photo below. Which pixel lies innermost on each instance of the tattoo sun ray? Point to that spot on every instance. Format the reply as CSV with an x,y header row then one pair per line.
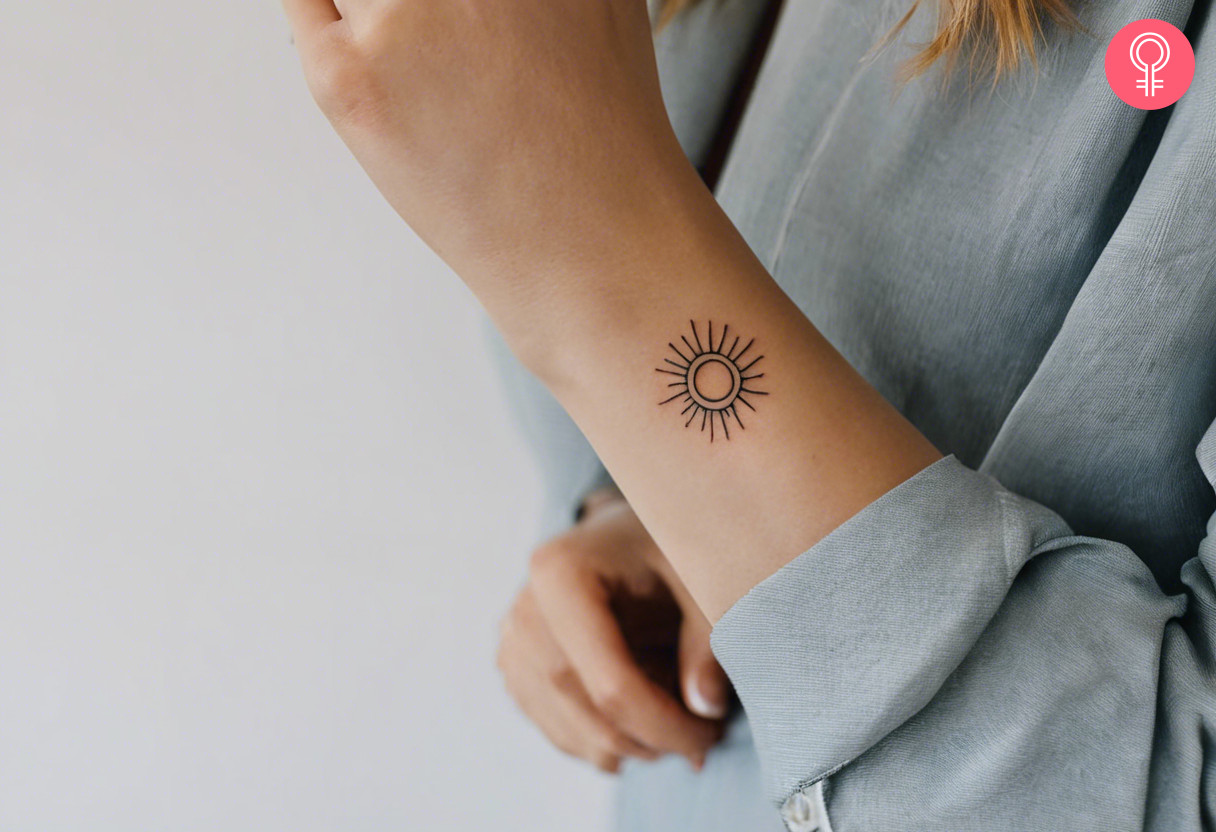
x,y
732,346
745,349
712,381
748,367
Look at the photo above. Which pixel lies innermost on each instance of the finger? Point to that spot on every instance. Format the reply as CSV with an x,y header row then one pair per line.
x,y
540,654
702,680
703,683
578,614
308,18
557,720
548,691
548,711
600,736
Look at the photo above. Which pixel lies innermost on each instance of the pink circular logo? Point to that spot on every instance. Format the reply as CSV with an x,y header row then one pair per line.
x,y
1149,64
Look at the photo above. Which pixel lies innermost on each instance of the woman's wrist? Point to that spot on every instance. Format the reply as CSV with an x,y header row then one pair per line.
x,y
657,251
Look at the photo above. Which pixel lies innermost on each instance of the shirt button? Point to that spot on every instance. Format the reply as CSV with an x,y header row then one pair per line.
x,y
800,812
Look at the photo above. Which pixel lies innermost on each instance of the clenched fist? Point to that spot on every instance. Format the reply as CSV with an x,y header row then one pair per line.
x,y
507,133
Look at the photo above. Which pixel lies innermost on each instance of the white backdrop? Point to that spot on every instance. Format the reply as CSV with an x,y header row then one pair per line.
x,y
260,504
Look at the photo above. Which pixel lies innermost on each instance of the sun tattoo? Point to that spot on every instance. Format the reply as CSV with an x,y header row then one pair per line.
x,y
712,383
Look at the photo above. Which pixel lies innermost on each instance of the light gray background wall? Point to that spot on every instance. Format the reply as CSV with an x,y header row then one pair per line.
x,y
260,505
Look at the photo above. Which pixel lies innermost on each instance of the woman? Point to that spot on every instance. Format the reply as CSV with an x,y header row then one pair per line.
x,y
918,411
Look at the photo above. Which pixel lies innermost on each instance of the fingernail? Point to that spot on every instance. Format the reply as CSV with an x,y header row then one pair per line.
x,y
703,704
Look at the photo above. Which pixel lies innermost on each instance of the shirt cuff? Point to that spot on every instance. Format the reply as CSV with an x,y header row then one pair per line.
x,y
855,635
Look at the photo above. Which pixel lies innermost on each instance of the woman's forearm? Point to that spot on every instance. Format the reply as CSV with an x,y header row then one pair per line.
x,y
733,477
527,143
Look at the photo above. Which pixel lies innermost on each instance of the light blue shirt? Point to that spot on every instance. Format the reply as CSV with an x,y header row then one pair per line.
x,y
1022,636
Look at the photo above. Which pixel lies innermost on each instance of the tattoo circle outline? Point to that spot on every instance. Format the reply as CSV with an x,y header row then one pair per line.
x,y
712,410
698,395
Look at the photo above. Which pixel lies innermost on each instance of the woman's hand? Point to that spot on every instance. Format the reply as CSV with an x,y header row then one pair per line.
x,y
594,644
500,130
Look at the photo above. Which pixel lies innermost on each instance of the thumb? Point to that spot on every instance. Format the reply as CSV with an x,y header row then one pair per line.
x,y
703,683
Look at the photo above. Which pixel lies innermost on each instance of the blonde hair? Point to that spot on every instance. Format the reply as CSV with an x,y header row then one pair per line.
x,y
995,35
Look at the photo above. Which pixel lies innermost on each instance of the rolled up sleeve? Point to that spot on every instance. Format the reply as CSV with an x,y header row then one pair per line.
x,y
953,657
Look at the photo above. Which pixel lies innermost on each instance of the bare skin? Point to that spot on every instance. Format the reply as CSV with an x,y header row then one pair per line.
x,y
526,142
593,645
